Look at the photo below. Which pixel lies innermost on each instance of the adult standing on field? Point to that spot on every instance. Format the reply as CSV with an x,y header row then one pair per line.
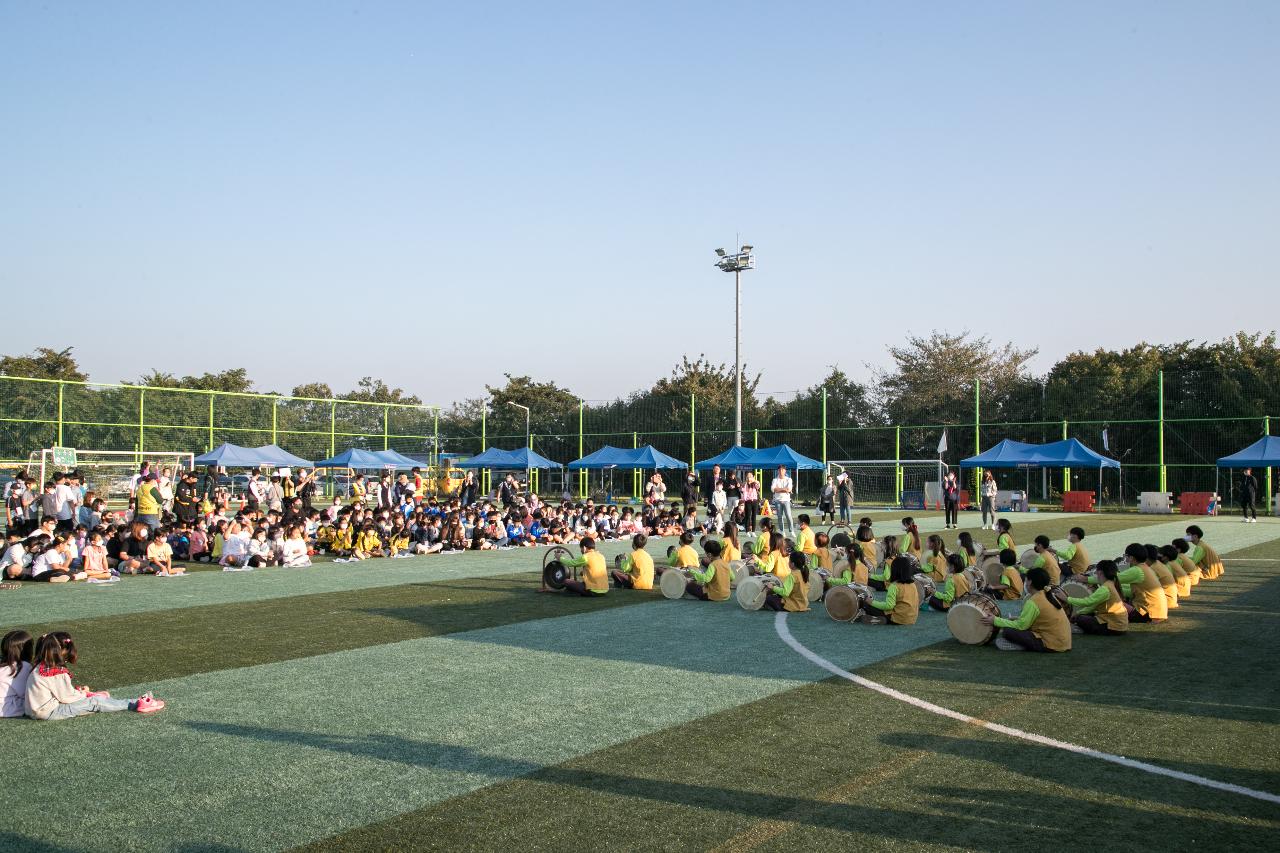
x,y
844,494
732,494
781,488
750,501
988,491
709,487
951,500
1249,496
656,492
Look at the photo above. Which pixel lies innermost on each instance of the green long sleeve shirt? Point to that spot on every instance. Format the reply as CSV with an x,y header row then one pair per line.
x,y
703,576
948,591
1024,621
890,599
1065,553
1196,554
788,583
1090,603
843,579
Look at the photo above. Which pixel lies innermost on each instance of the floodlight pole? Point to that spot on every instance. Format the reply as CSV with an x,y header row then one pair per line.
x,y
743,259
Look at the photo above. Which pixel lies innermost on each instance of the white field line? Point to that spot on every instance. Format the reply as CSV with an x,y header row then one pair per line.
x,y
780,624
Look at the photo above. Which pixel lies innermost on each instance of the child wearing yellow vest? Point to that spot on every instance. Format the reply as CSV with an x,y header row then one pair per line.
x,y
879,580
805,541
1167,581
1010,586
595,578
1073,553
1169,557
1042,626
711,583
1103,613
911,545
1005,538
792,594
935,566
1047,560
1148,602
1184,560
901,603
730,550
956,585
636,571
683,556
1202,555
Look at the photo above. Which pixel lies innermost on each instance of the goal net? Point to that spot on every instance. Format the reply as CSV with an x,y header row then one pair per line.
x,y
109,474
892,483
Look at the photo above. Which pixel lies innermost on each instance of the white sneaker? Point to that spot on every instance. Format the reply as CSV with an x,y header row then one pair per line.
x,y
1005,646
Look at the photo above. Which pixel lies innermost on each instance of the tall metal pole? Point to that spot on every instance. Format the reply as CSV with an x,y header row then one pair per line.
x,y
1164,483
977,433
737,358
582,475
1266,430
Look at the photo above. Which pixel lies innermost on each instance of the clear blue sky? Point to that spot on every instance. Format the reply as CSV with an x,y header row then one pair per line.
x,y
537,187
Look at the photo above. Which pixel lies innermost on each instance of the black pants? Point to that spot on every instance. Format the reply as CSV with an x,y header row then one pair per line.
x,y
1026,639
773,601
749,511
1247,507
577,588
952,510
697,590
1091,624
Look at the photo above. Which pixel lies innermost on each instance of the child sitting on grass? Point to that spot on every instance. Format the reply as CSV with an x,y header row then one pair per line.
x,y
51,695
294,553
160,557
17,648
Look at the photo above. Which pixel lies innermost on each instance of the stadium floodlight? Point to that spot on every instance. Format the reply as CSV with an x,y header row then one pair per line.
x,y
741,260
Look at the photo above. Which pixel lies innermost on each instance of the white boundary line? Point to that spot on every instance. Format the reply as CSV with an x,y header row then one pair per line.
x,y
780,624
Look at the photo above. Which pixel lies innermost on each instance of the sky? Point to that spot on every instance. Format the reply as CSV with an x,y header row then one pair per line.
x,y
437,194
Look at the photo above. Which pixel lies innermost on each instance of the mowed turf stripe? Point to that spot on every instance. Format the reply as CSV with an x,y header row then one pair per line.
x,y
134,648
60,602
275,755
832,766
45,604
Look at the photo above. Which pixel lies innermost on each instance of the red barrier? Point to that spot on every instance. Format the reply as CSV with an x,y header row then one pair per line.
x,y
1077,501
1197,503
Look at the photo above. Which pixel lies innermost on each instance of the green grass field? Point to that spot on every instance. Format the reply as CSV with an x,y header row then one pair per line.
x,y
442,703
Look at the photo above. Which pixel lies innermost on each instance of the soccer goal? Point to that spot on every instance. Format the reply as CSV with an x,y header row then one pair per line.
x,y
892,483
109,474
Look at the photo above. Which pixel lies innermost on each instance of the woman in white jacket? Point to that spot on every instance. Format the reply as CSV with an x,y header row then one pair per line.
x,y
989,489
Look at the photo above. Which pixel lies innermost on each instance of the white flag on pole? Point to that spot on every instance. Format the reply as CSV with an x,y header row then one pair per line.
x,y
1106,441
942,443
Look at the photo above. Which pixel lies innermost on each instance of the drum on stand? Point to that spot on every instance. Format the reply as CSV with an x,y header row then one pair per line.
x,y
673,583
964,618
844,603
554,570
1028,559
737,571
838,536
992,573
1076,586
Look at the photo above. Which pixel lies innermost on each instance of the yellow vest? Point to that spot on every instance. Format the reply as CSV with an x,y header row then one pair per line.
x,y
1079,562
686,557
1051,566
718,587
1180,577
1014,580
906,608
804,542
595,575
824,558
1212,563
146,500
641,570
1051,624
798,599
1167,582
938,567
1112,613
1148,594
730,553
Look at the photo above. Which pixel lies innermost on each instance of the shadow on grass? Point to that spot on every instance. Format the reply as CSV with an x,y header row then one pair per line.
x,y
960,818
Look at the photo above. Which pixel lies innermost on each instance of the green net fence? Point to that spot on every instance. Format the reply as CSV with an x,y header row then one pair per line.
x,y
1167,429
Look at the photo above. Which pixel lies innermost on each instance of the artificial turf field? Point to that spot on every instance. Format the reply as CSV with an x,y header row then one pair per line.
x,y
441,703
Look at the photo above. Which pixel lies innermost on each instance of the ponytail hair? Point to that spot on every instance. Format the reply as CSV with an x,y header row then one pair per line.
x,y
966,542
902,570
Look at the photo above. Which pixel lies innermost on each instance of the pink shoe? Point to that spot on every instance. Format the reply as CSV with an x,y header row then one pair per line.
x,y
148,704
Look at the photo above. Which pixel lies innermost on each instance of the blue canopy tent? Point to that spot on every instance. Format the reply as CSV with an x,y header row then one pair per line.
x,y
281,458
772,457
526,458
395,459
490,457
1263,453
354,458
736,457
228,455
1068,453
650,457
604,458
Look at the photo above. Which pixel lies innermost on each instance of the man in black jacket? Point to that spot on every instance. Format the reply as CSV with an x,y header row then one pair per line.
x,y
709,486
1249,496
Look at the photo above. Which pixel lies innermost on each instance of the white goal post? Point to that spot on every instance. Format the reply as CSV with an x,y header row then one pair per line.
x,y
109,474
893,483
